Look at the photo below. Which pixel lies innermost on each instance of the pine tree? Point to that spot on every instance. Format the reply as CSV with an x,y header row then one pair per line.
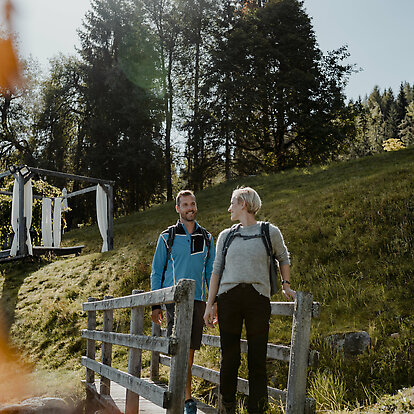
x,y
119,69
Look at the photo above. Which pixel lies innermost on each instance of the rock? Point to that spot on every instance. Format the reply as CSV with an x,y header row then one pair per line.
x,y
351,343
37,405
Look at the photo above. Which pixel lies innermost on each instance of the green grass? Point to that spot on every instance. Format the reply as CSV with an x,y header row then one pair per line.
x,y
349,228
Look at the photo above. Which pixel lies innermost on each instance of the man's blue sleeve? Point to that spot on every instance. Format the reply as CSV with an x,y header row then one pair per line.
x,y
158,263
210,261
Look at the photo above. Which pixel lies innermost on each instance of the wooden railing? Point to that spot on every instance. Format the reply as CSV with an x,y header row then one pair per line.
x,y
297,354
177,346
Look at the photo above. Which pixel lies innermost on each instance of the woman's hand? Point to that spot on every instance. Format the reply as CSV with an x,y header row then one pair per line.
x,y
210,315
288,292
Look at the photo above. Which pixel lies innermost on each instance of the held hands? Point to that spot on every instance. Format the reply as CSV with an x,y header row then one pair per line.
x,y
156,316
210,315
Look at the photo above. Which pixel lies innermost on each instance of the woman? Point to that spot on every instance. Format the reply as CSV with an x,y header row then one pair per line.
x,y
244,295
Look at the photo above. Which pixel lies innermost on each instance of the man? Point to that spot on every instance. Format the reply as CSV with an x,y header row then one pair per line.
x,y
190,256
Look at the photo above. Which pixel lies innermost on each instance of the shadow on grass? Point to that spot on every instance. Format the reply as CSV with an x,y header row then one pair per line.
x,y
14,275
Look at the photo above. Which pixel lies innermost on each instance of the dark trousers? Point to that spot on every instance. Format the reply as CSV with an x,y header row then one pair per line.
x,y
244,303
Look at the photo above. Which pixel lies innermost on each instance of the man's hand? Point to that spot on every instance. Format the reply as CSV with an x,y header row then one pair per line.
x,y
156,316
210,315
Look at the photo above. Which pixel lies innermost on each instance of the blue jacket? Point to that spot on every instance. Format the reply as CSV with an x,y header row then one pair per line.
x,y
188,260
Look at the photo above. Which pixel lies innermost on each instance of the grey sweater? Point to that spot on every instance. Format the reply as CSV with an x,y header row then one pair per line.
x,y
247,260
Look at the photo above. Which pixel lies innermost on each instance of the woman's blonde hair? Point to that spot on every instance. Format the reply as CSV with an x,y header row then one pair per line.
x,y
250,197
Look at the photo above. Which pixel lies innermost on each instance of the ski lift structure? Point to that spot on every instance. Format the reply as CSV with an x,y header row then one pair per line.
x,y
22,200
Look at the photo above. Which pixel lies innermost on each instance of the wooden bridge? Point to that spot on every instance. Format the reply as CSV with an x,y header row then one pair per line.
x,y
121,392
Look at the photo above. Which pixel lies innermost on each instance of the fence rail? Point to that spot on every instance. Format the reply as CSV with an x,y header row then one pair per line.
x,y
173,351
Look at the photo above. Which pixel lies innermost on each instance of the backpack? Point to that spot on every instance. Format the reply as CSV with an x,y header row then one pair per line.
x,y
265,235
172,230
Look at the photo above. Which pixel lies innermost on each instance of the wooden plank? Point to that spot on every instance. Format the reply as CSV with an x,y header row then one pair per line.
x,y
75,177
106,355
299,356
11,258
155,297
282,308
9,193
79,192
134,357
213,376
90,344
58,251
5,253
184,304
155,356
280,352
147,343
5,174
152,392
287,309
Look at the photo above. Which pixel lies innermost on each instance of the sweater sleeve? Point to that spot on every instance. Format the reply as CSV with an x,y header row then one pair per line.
x,y
158,263
219,251
279,247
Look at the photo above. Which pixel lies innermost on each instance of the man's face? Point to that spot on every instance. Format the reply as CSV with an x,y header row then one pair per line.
x,y
187,208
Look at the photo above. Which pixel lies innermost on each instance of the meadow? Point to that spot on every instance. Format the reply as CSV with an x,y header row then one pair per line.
x,y
349,227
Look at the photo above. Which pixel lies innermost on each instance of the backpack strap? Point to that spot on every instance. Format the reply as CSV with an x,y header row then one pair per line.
x,y
206,239
172,230
264,228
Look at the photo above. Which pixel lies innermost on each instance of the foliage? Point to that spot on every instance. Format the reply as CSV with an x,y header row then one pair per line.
x,y
383,122
275,93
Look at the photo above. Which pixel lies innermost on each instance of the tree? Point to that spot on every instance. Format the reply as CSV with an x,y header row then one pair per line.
x,y
164,22
284,98
122,129
61,118
406,127
16,139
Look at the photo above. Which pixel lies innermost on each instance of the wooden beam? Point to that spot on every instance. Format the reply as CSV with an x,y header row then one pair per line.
x,y
152,392
213,376
288,308
9,193
299,356
106,353
42,171
183,318
155,297
79,192
5,174
134,356
147,343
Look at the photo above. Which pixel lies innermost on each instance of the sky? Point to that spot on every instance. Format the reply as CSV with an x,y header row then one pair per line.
x,y
379,35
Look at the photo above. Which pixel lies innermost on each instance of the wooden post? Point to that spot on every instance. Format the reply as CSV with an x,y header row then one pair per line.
x,y
110,197
90,353
184,304
155,356
22,220
105,388
134,357
299,354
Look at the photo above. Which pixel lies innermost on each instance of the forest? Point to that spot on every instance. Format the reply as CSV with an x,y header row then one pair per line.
x,y
165,94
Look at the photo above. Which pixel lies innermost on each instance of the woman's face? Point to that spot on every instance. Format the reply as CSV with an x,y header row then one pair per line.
x,y
235,209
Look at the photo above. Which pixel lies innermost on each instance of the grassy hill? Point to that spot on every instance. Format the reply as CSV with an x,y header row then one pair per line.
x,y
349,227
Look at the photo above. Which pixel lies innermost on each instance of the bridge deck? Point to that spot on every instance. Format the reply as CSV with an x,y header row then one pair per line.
x,y
118,395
